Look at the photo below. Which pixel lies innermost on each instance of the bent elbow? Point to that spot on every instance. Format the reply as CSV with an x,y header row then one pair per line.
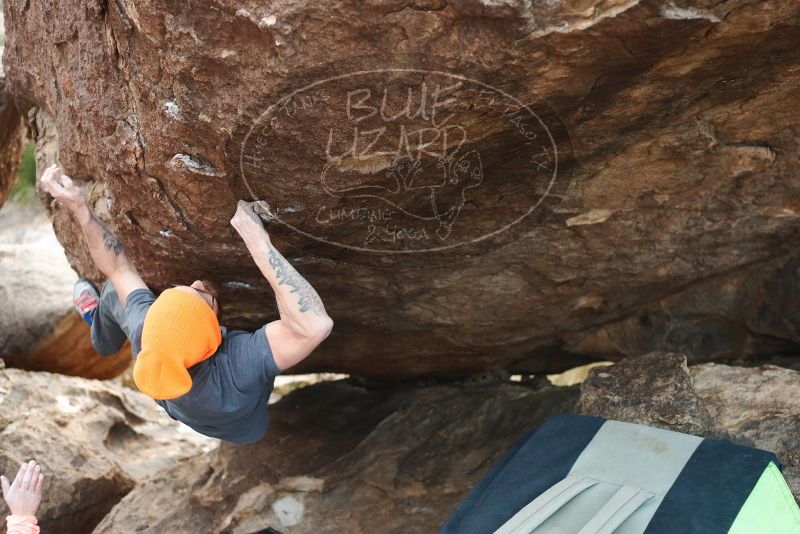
x,y
325,327
316,330
321,329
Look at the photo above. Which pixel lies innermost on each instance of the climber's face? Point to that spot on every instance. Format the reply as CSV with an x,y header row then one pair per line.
x,y
199,288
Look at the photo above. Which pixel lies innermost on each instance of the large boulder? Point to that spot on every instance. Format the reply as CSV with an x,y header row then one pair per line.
x,y
342,458
39,329
94,440
754,406
562,168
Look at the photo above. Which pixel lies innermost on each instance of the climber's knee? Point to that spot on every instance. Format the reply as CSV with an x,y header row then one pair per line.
x,y
103,347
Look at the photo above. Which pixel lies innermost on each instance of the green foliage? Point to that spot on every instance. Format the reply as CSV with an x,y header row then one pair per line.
x,y
24,189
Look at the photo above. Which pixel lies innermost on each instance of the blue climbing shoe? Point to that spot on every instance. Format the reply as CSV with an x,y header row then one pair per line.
x,y
85,298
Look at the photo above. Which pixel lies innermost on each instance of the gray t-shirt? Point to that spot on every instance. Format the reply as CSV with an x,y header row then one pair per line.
x,y
229,394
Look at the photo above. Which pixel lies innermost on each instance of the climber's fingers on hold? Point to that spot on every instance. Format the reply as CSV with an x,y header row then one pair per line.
x,y
71,187
245,207
64,181
56,189
51,182
47,175
260,207
245,215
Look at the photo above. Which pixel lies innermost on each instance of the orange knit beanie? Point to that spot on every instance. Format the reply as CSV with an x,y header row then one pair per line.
x,y
180,330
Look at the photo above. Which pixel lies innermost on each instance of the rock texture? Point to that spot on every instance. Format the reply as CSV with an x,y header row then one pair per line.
x,y
341,458
39,330
673,126
755,406
12,137
93,439
12,128
741,314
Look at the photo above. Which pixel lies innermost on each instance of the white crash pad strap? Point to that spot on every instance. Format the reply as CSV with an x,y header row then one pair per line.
x,y
619,507
545,505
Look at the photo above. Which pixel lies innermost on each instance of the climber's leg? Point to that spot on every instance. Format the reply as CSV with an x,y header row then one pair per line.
x,y
107,334
85,298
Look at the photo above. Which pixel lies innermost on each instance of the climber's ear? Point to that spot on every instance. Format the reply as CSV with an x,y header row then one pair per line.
x,y
213,289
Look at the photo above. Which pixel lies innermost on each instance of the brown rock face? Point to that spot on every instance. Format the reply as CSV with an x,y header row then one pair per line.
x,y
12,138
340,458
739,314
755,406
468,185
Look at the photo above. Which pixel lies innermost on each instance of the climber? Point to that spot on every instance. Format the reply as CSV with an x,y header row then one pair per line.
x,y
23,497
216,382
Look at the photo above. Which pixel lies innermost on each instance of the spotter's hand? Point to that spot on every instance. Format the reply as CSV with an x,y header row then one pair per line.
x,y
25,493
63,189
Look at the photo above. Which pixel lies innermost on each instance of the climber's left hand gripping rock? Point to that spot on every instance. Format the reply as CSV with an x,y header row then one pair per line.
x,y
247,222
63,189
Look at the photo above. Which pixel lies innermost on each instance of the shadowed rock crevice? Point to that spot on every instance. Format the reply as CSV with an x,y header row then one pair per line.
x,y
742,313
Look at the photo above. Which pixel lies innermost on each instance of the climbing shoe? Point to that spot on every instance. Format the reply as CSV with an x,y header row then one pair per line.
x,y
85,298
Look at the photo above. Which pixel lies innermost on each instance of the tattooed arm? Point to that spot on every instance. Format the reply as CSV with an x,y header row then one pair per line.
x,y
107,251
303,322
